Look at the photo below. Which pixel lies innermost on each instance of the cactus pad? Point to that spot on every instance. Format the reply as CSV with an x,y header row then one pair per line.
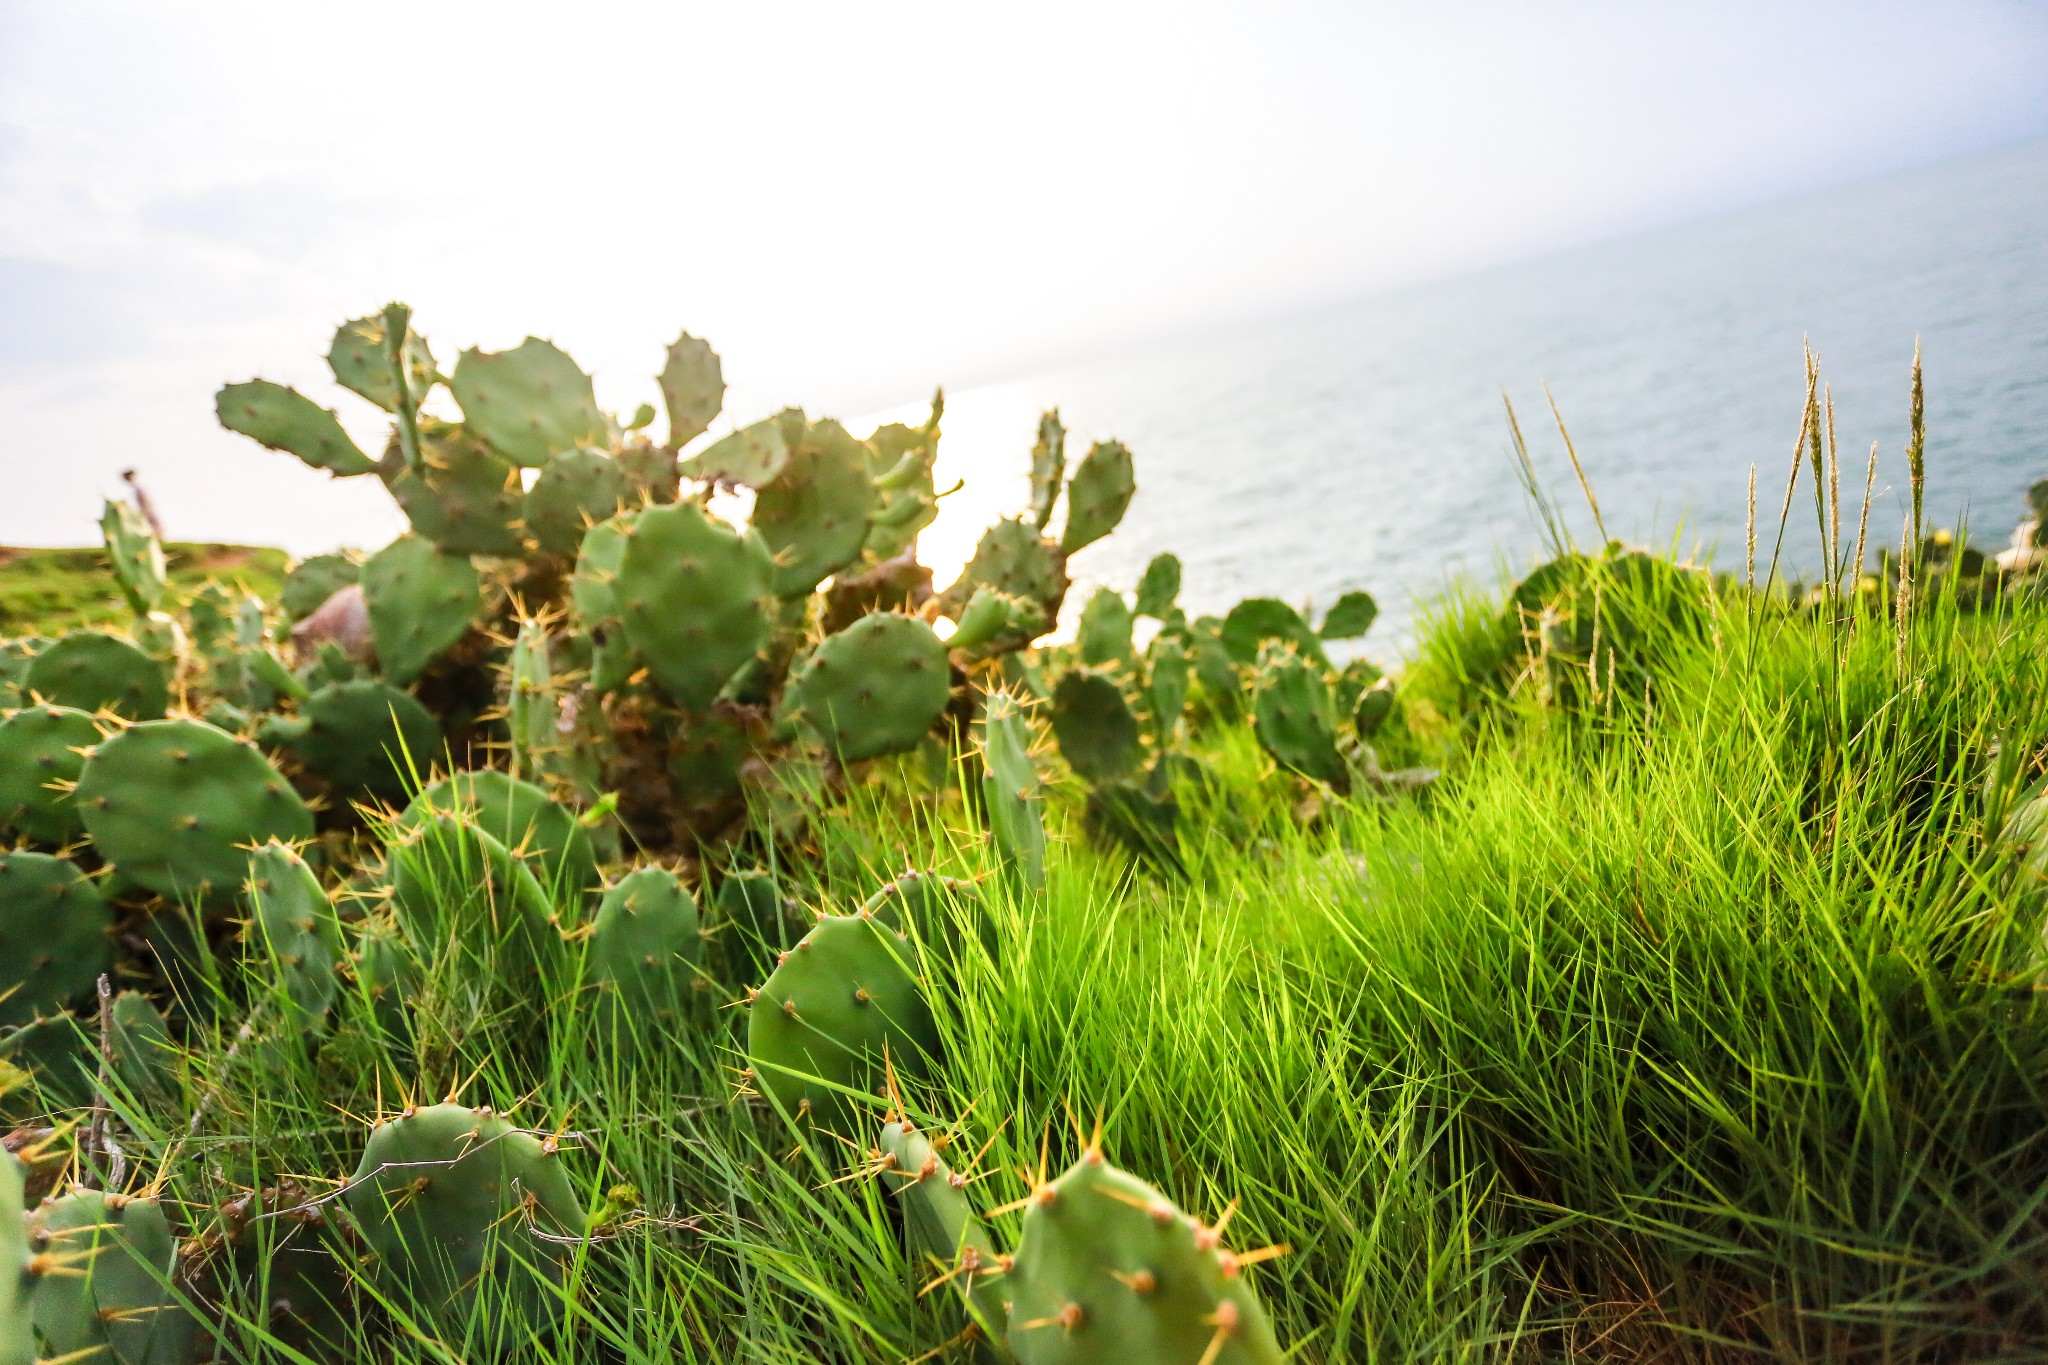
x,y
1159,587
1166,687
53,935
420,602
1351,617
573,493
293,925
313,580
820,1025
1015,560
1109,1272
756,923
1375,704
1048,467
993,618
1098,494
362,365
1097,734
693,593
144,1057
88,669
1011,787
814,514
1105,633
137,559
939,1226
107,1295
1256,620
453,885
644,944
360,738
692,387
463,495
1293,716
875,687
525,819
285,419
531,402
42,748
900,459
17,1337
752,455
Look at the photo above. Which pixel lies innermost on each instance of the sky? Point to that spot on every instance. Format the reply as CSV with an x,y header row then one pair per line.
x,y
853,202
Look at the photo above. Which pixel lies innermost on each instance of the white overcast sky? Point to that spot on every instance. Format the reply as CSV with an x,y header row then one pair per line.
x,y
854,201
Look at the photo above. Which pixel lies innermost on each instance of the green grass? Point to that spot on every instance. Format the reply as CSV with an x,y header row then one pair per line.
x,y
47,592
1701,1027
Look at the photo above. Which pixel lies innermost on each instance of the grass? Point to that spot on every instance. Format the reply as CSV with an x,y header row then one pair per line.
x,y
47,592
1703,1025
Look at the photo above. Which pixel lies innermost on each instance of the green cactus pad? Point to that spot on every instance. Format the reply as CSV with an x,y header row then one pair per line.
x,y
993,618
1108,1271
756,923
1105,633
1222,685
463,495
524,818
88,670
1375,704
277,1258
17,1335
752,456
1256,620
362,365
876,687
531,402
457,1204
109,1294
592,589
645,944
693,593
137,559
1015,560
420,602
705,755
53,935
820,1025
814,514
144,1057
313,580
692,387
1159,587
1293,716
1011,787
363,738
285,419
1166,687
294,928
1351,617
940,1229
1048,467
573,493
41,746
387,976
1096,498
173,804
900,459
455,886
15,656
1097,734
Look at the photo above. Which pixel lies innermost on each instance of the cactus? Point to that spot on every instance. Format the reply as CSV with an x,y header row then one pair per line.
x,y
454,886
42,750
1097,734
144,1058
1350,618
15,656
1016,561
137,558
836,1005
276,1258
992,617
693,388
900,462
361,361
54,929
814,514
456,1202
1293,716
17,1335
927,906
1222,684
102,1273
1048,468
1097,496
1105,633
645,944
1166,687
874,688
530,403
591,588
756,923
1108,1272
531,707
173,804
1375,704
524,819
361,738
1010,786
285,419
693,593
1159,587
314,580
1257,620
752,455
295,927
88,670
462,494
943,1236
387,976
573,493
420,603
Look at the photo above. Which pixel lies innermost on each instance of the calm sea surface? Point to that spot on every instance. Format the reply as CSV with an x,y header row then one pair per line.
x,y
1366,446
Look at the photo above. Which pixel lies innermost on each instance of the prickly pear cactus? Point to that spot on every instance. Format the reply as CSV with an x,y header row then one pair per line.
x,y
1097,734
285,419
693,593
1257,620
361,361
875,688
1097,495
137,559
645,945
819,1028
573,493
293,925
1108,1272
53,935
458,1206
901,461
1166,687
992,619
1159,586
1016,561
593,590
530,403
1375,704
1105,633
692,387
943,1235
420,603
454,886
814,514
361,738
756,923
1351,617
525,819
42,749
752,455
315,579
101,1268
1293,716
17,1335
144,1057
1010,785
90,670
463,495
174,804
277,1259
387,977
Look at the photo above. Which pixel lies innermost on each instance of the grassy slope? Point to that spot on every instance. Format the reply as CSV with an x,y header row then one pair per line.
x,y
47,592
1701,1033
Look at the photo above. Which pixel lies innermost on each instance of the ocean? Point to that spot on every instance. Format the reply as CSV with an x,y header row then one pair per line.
x,y
1365,446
